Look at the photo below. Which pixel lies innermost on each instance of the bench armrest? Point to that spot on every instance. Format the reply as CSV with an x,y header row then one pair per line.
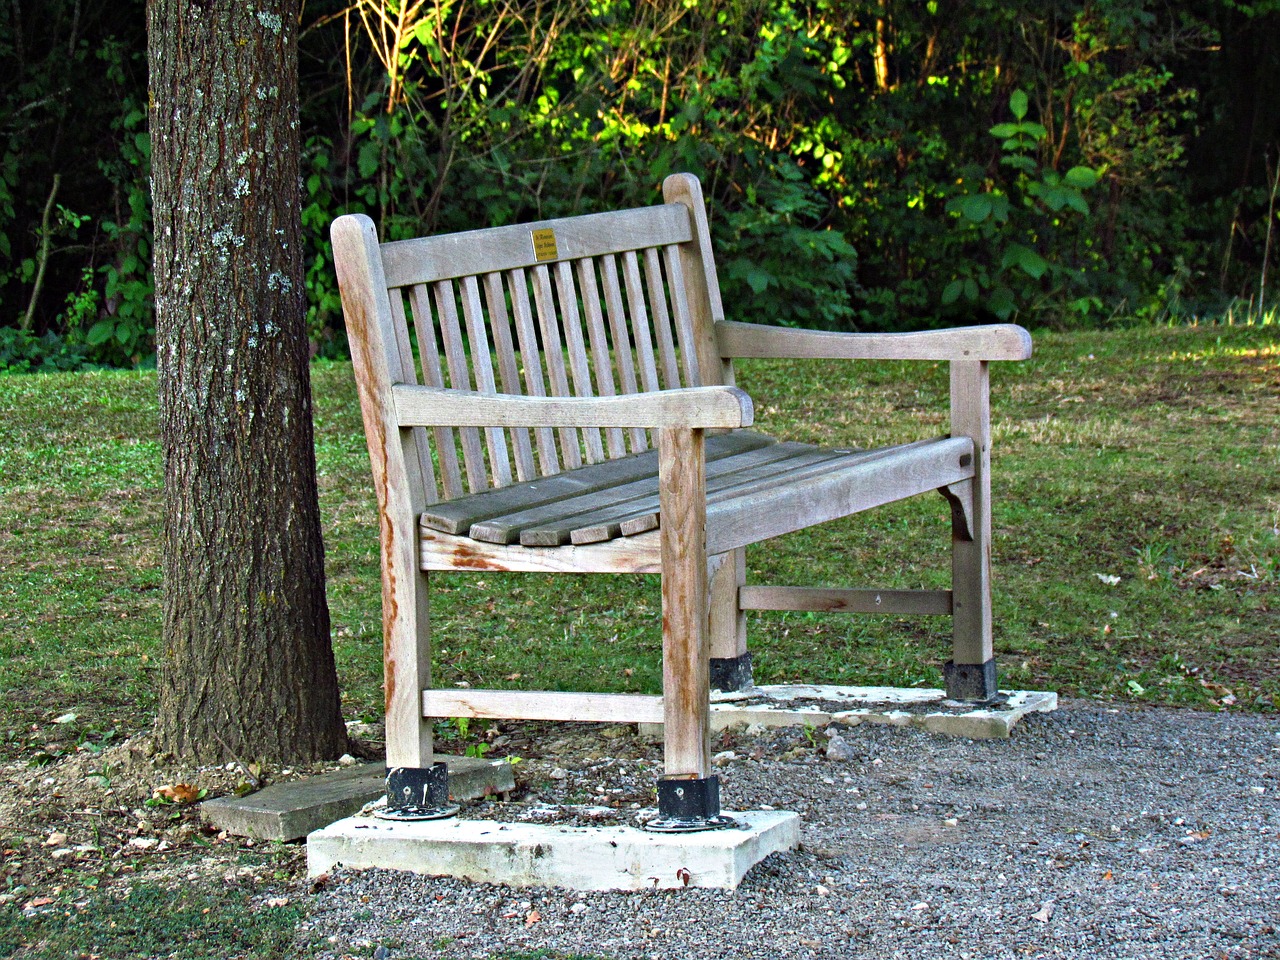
x,y
1002,341
692,407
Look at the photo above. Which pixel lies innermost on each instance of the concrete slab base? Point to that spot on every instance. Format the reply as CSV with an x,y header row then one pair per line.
x,y
786,705
289,811
539,855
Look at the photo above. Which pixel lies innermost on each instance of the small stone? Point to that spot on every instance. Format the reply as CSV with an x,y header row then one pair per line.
x,y
951,822
838,748
559,773
756,729
143,843
62,852
723,757
347,760
861,806
56,840
1258,790
579,908
821,891
66,718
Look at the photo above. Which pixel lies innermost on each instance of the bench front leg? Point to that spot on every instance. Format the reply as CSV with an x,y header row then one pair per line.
x,y
688,796
971,672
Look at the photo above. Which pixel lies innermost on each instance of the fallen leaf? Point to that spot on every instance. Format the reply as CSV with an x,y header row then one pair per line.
x,y
514,676
1045,913
38,902
177,793
533,917
1107,875
278,902
684,876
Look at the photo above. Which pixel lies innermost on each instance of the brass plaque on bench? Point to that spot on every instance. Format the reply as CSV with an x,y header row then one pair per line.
x,y
544,245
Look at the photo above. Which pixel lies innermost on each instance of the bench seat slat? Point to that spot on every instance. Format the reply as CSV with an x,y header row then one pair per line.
x,y
457,516
895,474
602,519
592,517
799,464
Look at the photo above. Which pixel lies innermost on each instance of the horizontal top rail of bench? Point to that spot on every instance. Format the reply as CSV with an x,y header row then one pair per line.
x,y
694,407
495,249
1001,341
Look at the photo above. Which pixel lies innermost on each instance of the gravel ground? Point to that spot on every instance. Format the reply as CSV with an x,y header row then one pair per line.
x,y
1093,832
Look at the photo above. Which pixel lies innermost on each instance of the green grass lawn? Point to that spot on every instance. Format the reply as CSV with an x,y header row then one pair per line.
x,y
1137,550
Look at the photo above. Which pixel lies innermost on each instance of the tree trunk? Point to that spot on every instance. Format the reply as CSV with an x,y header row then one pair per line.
x,y
248,667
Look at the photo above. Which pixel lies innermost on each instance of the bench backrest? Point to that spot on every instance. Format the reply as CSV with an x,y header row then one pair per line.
x,y
594,305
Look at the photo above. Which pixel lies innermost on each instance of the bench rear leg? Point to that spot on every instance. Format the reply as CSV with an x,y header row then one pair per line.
x,y
727,624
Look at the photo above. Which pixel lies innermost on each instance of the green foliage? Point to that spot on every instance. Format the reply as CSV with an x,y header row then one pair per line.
x,y
24,352
1013,226
867,165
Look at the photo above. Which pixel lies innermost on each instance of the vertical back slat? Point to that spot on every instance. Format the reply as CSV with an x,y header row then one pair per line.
x,y
517,283
482,366
683,318
401,324
661,319
599,346
508,369
621,341
645,359
459,379
579,365
553,355
433,376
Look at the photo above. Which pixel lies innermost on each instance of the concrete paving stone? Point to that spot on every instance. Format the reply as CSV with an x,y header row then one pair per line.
x,y
816,705
541,855
291,810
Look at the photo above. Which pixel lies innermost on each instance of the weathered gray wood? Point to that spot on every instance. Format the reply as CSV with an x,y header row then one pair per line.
x,y
455,353
442,551
701,285
543,705
508,369
433,376
645,357
530,356
971,558
429,259
686,680
398,482
1000,341
482,365
579,365
608,518
703,407
592,517
622,343
825,600
894,474
726,619
460,515
661,321
405,348
553,357
601,361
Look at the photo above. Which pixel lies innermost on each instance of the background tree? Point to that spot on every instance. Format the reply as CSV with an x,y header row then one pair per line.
x,y
248,668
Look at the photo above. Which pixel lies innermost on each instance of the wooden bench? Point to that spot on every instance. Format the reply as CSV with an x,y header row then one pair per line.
x,y
559,396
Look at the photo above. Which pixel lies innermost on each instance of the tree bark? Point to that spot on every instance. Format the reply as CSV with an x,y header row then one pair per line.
x,y
248,667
